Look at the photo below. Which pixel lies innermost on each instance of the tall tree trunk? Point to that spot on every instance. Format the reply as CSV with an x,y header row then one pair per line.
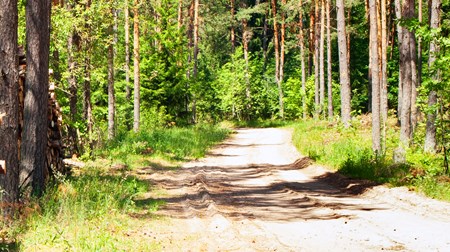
x,y
87,102
137,85
316,60
111,93
127,52
277,57
34,138
376,144
246,36
87,94
72,48
302,59
282,58
329,71
343,65
311,52
383,75
9,106
398,16
430,136
322,59
407,63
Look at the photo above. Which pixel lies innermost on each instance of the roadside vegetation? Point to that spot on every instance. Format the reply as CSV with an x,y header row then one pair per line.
x,y
98,207
349,151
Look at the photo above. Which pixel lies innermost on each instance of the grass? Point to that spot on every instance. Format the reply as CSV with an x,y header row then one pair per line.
x,y
349,151
168,144
89,212
100,209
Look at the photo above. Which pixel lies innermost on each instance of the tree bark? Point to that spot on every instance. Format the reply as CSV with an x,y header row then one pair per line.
x,y
111,93
277,57
407,63
343,65
72,47
137,85
329,70
34,137
302,59
9,106
311,52
317,60
246,36
398,16
376,144
383,74
322,59
430,136
127,52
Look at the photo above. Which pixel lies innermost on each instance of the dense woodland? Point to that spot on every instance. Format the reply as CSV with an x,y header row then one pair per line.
x,y
121,66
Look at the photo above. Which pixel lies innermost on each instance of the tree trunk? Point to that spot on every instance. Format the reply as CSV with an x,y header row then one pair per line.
x,y
282,57
72,47
343,65
246,36
312,26
35,119
407,64
430,136
383,79
316,60
87,94
322,59
302,59
111,93
137,85
376,144
329,70
127,52
398,16
277,57
9,106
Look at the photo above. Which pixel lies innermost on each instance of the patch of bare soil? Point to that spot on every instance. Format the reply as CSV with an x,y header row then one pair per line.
x,y
254,192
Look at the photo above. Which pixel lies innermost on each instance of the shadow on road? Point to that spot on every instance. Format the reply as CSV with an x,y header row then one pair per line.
x,y
258,192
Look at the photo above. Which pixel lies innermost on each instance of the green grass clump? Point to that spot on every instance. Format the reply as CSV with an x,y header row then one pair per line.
x,y
349,151
259,123
86,213
173,144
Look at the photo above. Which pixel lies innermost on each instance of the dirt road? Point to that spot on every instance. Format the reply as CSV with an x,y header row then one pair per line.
x,y
254,192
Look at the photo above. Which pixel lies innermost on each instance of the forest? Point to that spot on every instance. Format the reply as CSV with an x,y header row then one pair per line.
x,y
118,68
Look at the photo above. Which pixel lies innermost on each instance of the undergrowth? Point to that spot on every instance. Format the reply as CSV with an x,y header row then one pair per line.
x,y
349,151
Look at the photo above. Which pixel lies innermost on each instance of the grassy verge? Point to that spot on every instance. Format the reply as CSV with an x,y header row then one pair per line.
x,y
100,210
169,145
349,151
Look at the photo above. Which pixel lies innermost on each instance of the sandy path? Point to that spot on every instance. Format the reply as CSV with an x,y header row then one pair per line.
x,y
254,192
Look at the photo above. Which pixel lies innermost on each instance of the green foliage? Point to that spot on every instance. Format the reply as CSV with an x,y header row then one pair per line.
x,y
170,143
349,152
86,213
